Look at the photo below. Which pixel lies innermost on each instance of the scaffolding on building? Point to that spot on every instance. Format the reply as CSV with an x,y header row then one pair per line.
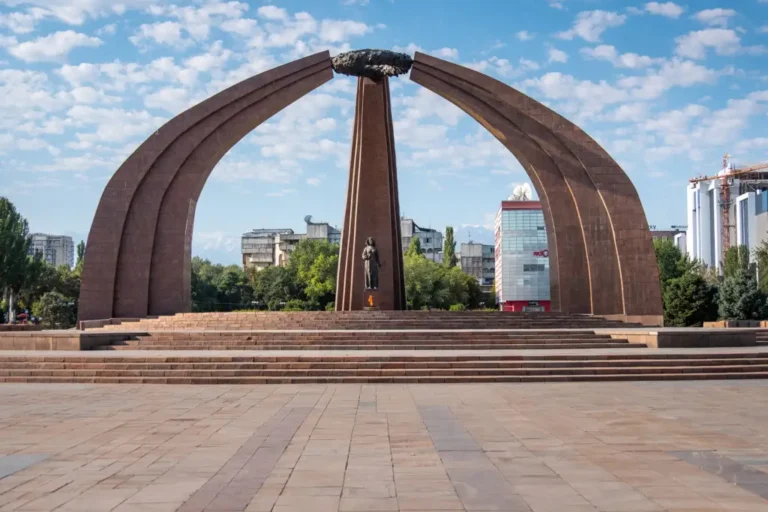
x,y
749,178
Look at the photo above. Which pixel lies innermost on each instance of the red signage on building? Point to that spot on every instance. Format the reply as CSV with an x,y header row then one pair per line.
x,y
542,254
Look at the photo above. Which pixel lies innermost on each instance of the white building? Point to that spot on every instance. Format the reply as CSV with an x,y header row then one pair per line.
x,y
431,240
479,261
747,212
262,248
56,250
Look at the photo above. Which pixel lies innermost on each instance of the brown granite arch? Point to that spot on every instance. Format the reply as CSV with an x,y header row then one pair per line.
x,y
123,264
139,247
619,260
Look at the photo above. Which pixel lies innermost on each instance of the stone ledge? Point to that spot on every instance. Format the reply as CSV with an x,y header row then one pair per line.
x,y
685,337
20,327
59,340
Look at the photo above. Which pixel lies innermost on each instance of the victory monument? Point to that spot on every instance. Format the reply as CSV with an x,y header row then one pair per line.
x,y
140,243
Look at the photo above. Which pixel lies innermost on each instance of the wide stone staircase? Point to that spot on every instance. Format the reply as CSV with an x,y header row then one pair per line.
x,y
368,340
365,320
375,347
433,368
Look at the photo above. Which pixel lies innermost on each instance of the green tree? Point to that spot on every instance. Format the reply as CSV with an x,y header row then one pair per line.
x,y
233,289
315,264
80,258
15,265
431,285
761,257
736,259
741,299
672,263
219,288
689,301
414,249
449,248
273,287
55,310
491,304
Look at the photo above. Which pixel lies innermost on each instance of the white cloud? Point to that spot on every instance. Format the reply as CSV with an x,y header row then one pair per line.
x,y
589,25
107,30
314,181
754,143
556,55
170,99
624,60
502,67
22,22
336,31
448,53
582,97
53,47
673,73
556,4
232,170
217,241
629,112
272,12
215,58
76,12
715,17
666,9
165,32
240,26
111,125
694,45
524,35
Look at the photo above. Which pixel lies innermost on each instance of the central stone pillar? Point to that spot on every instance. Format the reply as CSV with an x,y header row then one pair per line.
x,y
373,208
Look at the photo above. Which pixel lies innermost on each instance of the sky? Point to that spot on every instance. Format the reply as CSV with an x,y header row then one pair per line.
x,y
667,88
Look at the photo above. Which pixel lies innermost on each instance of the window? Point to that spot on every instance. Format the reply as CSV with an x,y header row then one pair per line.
x,y
536,267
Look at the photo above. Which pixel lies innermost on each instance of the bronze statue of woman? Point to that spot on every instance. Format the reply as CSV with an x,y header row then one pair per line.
x,y
372,264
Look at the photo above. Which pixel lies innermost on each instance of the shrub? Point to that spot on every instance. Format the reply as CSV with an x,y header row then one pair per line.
x,y
690,301
458,307
740,298
295,305
55,311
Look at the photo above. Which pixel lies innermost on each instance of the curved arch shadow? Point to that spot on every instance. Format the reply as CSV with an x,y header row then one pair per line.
x,y
139,246
614,239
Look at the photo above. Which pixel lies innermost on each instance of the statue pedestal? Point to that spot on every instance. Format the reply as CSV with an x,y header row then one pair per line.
x,y
372,207
371,300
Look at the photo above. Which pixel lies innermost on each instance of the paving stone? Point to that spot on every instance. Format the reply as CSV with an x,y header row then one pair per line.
x,y
542,447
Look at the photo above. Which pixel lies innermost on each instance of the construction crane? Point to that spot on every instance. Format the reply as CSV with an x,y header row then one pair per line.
x,y
726,177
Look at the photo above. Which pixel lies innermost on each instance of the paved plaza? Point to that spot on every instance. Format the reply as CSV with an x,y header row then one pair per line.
x,y
676,446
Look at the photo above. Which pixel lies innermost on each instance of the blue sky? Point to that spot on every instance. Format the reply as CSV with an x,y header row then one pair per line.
x,y
665,87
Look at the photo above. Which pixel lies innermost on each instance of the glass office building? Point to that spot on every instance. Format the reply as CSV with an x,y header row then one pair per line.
x,y
522,257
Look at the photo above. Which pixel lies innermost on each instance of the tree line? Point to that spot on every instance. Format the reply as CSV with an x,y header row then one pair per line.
x,y
693,293
308,282
29,283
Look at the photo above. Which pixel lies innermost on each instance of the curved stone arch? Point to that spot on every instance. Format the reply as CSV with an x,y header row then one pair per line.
x,y
610,213
139,247
117,273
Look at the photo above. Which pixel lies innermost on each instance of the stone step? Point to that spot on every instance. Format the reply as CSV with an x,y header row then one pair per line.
x,y
372,335
363,340
350,346
196,368
618,375
428,364
381,372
